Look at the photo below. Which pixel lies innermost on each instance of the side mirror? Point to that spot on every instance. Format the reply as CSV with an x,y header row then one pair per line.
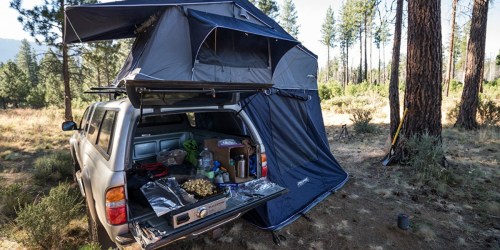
x,y
69,125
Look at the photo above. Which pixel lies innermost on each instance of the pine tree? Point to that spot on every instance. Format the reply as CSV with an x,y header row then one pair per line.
x,y
474,66
498,58
101,61
47,21
328,36
51,79
394,81
347,34
288,18
26,61
423,93
14,84
451,54
269,7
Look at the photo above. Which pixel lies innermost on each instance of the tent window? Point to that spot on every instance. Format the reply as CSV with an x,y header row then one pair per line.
x,y
224,47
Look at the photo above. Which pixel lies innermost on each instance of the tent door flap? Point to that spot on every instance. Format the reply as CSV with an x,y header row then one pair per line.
x,y
146,94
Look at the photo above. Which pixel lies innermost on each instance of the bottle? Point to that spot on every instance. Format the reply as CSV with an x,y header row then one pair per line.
x,y
200,170
207,159
241,167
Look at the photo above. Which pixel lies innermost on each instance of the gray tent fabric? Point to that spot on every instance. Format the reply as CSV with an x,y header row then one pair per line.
x,y
167,52
167,55
116,20
297,69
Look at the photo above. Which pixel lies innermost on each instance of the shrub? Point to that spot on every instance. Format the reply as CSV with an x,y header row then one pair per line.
x,y
452,114
90,246
13,197
324,92
488,111
53,167
456,85
46,220
361,119
329,90
425,157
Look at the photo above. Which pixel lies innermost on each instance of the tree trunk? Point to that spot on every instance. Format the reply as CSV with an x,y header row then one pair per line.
x,y
474,66
68,114
423,72
365,75
99,81
394,81
383,63
371,56
328,63
452,37
346,67
379,65
360,71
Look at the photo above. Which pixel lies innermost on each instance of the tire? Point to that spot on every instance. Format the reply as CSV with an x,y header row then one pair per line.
x,y
97,232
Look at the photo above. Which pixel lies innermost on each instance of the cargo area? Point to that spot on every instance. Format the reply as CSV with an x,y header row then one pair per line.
x,y
172,191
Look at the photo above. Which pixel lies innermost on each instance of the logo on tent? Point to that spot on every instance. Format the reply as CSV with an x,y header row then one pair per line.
x,y
302,182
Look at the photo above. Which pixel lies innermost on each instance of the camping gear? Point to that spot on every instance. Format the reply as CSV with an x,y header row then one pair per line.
x,y
390,156
226,52
403,221
191,148
171,157
241,167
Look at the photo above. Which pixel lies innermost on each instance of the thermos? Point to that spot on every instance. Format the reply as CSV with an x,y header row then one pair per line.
x,y
241,167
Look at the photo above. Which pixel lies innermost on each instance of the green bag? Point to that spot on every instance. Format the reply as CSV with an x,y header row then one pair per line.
x,y
191,148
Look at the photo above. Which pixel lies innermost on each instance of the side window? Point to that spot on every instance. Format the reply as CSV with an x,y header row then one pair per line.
x,y
106,131
84,121
95,123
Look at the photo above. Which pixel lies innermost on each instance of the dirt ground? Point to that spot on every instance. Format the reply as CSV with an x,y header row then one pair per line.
x,y
363,214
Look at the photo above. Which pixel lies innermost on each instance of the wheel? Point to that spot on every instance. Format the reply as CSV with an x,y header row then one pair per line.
x,y
97,232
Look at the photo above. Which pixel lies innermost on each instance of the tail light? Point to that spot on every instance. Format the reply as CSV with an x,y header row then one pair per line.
x,y
116,210
263,160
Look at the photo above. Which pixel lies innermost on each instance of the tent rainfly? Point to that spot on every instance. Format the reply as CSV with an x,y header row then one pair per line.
x,y
230,42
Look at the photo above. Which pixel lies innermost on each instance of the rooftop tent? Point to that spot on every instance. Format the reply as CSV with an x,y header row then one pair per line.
x,y
230,43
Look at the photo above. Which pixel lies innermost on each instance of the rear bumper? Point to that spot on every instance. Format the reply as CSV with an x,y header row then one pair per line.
x,y
127,241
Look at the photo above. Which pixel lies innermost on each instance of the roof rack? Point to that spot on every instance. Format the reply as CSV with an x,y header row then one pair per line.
x,y
116,91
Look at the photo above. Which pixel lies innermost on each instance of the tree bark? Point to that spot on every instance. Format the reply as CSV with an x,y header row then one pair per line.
x,y
347,67
379,66
394,81
360,71
423,94
328,63
68,114
365,74
474,66
452,37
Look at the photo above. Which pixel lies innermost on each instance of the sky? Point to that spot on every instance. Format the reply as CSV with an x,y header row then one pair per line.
x,y
310,17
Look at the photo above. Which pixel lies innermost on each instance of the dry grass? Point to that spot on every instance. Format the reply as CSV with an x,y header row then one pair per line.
x,y
451,214
30,131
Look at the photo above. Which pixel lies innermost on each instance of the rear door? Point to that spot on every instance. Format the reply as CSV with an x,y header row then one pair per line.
x,y
154,232
144,94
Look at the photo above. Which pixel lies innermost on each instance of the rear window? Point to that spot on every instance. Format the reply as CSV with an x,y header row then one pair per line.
x,y
95,123
106,131
157,120
221,122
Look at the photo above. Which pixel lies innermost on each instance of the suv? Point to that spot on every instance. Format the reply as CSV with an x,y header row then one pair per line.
x,y
116,149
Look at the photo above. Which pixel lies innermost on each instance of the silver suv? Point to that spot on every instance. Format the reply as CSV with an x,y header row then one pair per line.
x,y
132,196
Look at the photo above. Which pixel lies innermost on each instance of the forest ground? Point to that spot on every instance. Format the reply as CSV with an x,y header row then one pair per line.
x,y
462,212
